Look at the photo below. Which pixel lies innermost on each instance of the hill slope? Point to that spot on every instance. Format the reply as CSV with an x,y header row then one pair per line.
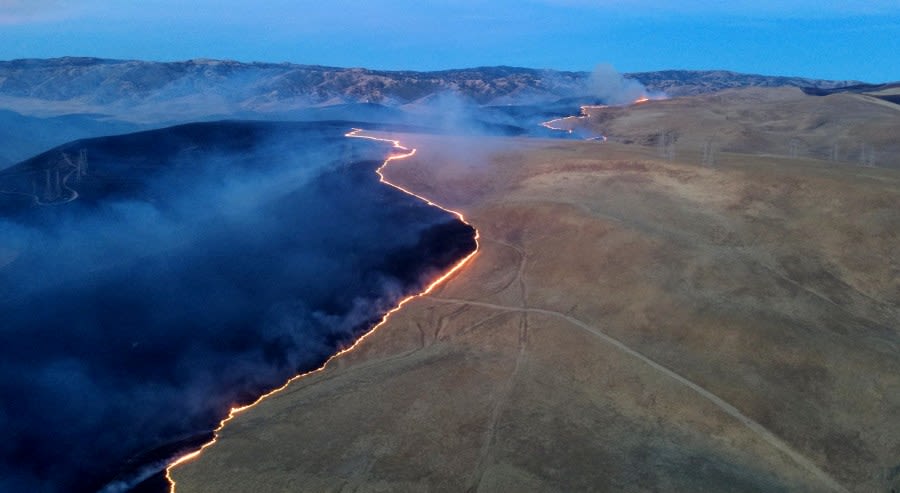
x,y
630,324
170,90
633,321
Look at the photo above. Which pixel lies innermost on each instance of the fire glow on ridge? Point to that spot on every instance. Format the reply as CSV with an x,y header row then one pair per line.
x,y
404,153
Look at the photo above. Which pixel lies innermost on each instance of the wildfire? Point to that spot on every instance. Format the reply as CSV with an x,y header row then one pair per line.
x,y
552,124
555,124
405,153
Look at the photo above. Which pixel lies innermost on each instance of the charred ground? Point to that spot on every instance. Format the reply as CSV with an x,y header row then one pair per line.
x,y
198,266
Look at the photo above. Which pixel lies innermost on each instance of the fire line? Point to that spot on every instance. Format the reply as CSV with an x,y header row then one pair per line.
x,y
233,412
554,123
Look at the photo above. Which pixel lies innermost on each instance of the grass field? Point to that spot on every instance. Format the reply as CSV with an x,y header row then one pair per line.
x,y
633,321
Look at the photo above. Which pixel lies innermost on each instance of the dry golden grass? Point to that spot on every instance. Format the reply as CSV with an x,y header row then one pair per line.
x,y
843,128
630,323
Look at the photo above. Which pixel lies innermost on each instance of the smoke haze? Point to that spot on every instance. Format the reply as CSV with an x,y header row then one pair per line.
x,y
611,87
200,265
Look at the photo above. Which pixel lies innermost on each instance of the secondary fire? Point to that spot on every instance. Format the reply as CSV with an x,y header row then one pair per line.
x,y
404,153
568,123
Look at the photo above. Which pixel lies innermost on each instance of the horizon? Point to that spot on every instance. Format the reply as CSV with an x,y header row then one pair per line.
x,y
451,69
837,41
451,245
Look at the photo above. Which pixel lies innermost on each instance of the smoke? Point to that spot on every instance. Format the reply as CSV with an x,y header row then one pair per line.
x,y
23,136
452,113
200,265
144,473
611,87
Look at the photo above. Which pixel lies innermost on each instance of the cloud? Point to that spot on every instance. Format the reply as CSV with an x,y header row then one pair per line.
x,y
29,11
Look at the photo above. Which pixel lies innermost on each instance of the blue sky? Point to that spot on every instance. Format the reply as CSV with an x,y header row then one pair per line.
x,y
838,39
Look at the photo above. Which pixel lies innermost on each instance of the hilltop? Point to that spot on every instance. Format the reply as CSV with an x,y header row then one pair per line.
x,y
638,318
91,84
47,102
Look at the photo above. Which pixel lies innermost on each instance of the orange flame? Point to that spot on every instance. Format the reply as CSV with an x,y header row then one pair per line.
x,y
554,124
407,152
551,124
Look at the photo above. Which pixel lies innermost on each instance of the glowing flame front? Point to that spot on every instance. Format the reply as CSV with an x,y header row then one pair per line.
x,y
405,152
555,124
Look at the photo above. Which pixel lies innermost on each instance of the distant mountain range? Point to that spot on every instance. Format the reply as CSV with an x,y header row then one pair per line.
x,y
45,102
694,82
81,85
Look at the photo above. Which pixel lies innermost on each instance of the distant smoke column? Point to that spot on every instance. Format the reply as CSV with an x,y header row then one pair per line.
x,y
611,87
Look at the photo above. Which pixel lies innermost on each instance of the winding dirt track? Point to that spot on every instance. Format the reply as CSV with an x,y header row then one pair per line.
x,y
732,411
630,323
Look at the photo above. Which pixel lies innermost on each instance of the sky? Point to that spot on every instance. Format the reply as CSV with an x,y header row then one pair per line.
x,y
841,39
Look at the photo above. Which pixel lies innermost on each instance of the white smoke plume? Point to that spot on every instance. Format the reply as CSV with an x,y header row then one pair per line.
x,y
611,87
